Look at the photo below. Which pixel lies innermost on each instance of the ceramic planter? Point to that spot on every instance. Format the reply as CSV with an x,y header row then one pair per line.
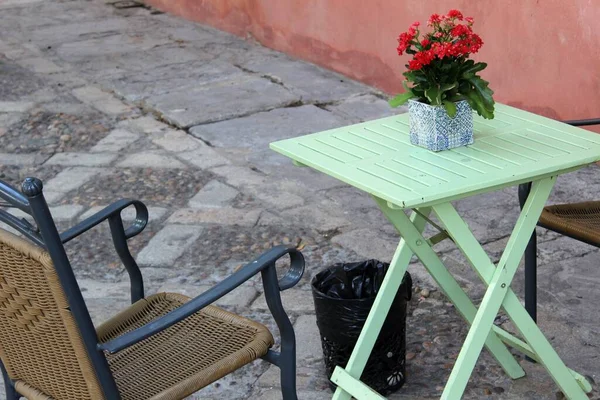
x,y
431,127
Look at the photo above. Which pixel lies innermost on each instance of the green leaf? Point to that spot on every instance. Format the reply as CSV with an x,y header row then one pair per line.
x,y
476,102
456,97
450,108
415,76
448,86
472,69
484,91
401,99
434,94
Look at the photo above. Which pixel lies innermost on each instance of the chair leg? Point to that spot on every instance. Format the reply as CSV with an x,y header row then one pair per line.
x,y
288,370
11,393
530,260
531,280
531,277
287,359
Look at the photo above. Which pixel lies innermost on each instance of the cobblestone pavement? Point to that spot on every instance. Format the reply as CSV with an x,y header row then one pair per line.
x,y
103,102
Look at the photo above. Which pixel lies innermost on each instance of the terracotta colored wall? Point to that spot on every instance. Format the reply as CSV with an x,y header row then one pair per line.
x,y
543,55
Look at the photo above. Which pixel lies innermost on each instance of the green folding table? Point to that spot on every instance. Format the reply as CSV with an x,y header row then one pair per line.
x,y
513,148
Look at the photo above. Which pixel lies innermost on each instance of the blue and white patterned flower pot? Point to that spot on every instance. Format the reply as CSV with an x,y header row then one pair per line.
x,y
431,127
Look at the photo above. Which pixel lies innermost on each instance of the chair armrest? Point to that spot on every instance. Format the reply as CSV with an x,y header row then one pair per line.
x,y
583,122
138,225
265,261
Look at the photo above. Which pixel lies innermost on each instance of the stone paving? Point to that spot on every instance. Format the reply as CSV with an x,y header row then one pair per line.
x,y
103,103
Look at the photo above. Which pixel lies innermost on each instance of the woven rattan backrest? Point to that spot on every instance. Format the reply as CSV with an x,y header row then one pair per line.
x,y
40,344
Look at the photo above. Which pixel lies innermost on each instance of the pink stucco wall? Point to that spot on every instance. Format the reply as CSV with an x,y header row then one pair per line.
x,y
543,55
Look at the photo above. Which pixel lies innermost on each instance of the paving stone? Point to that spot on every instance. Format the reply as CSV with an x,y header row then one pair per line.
x,y
368,243
150,160
15,106
65,212
53,196
100,100
117,140
269,219
176,141
277,199
76,30
22,159
240,176
365,108
95,289
275,394
16,85
294,300
316,218
17,3
223,216
308,340
70,179
163,187
128,214
310,82
213,194
66,108
123,68
213,102
258,130
113,44
168,245
8,119
171,78
40,65
82,159
145,124
203,157
306,378
240,297
23,51
101,309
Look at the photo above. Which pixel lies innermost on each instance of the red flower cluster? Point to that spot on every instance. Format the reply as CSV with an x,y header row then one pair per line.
x,y
405,39
449,38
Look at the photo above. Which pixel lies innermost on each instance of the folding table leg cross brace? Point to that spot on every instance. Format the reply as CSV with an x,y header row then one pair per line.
x,y
483,331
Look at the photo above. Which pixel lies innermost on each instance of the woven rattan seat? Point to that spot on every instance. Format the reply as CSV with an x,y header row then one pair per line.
x,y
580,221
185,357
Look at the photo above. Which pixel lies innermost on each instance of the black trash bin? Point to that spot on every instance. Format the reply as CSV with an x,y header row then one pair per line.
x,y
343,296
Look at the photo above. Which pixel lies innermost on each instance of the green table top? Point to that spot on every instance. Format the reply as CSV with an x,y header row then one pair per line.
x,y
377,157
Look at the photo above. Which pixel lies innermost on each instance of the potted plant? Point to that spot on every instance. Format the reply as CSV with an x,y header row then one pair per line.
x,y
442,85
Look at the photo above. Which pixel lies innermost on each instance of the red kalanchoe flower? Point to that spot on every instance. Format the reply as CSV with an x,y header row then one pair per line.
x,y
421,59
425,42
434,19
455,14
460,30
404,41
469,20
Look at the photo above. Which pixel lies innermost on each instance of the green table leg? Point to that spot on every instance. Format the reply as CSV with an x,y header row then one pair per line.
x,y
449,286
571,383
381,306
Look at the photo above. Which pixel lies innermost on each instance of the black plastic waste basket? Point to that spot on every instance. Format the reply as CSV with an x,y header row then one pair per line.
x,y
343,296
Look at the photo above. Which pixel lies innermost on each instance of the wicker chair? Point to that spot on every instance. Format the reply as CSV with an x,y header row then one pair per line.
x,y
580,221
164,346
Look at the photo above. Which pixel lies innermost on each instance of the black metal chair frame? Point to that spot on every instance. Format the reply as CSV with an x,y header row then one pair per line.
x,y
531,249
45,234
